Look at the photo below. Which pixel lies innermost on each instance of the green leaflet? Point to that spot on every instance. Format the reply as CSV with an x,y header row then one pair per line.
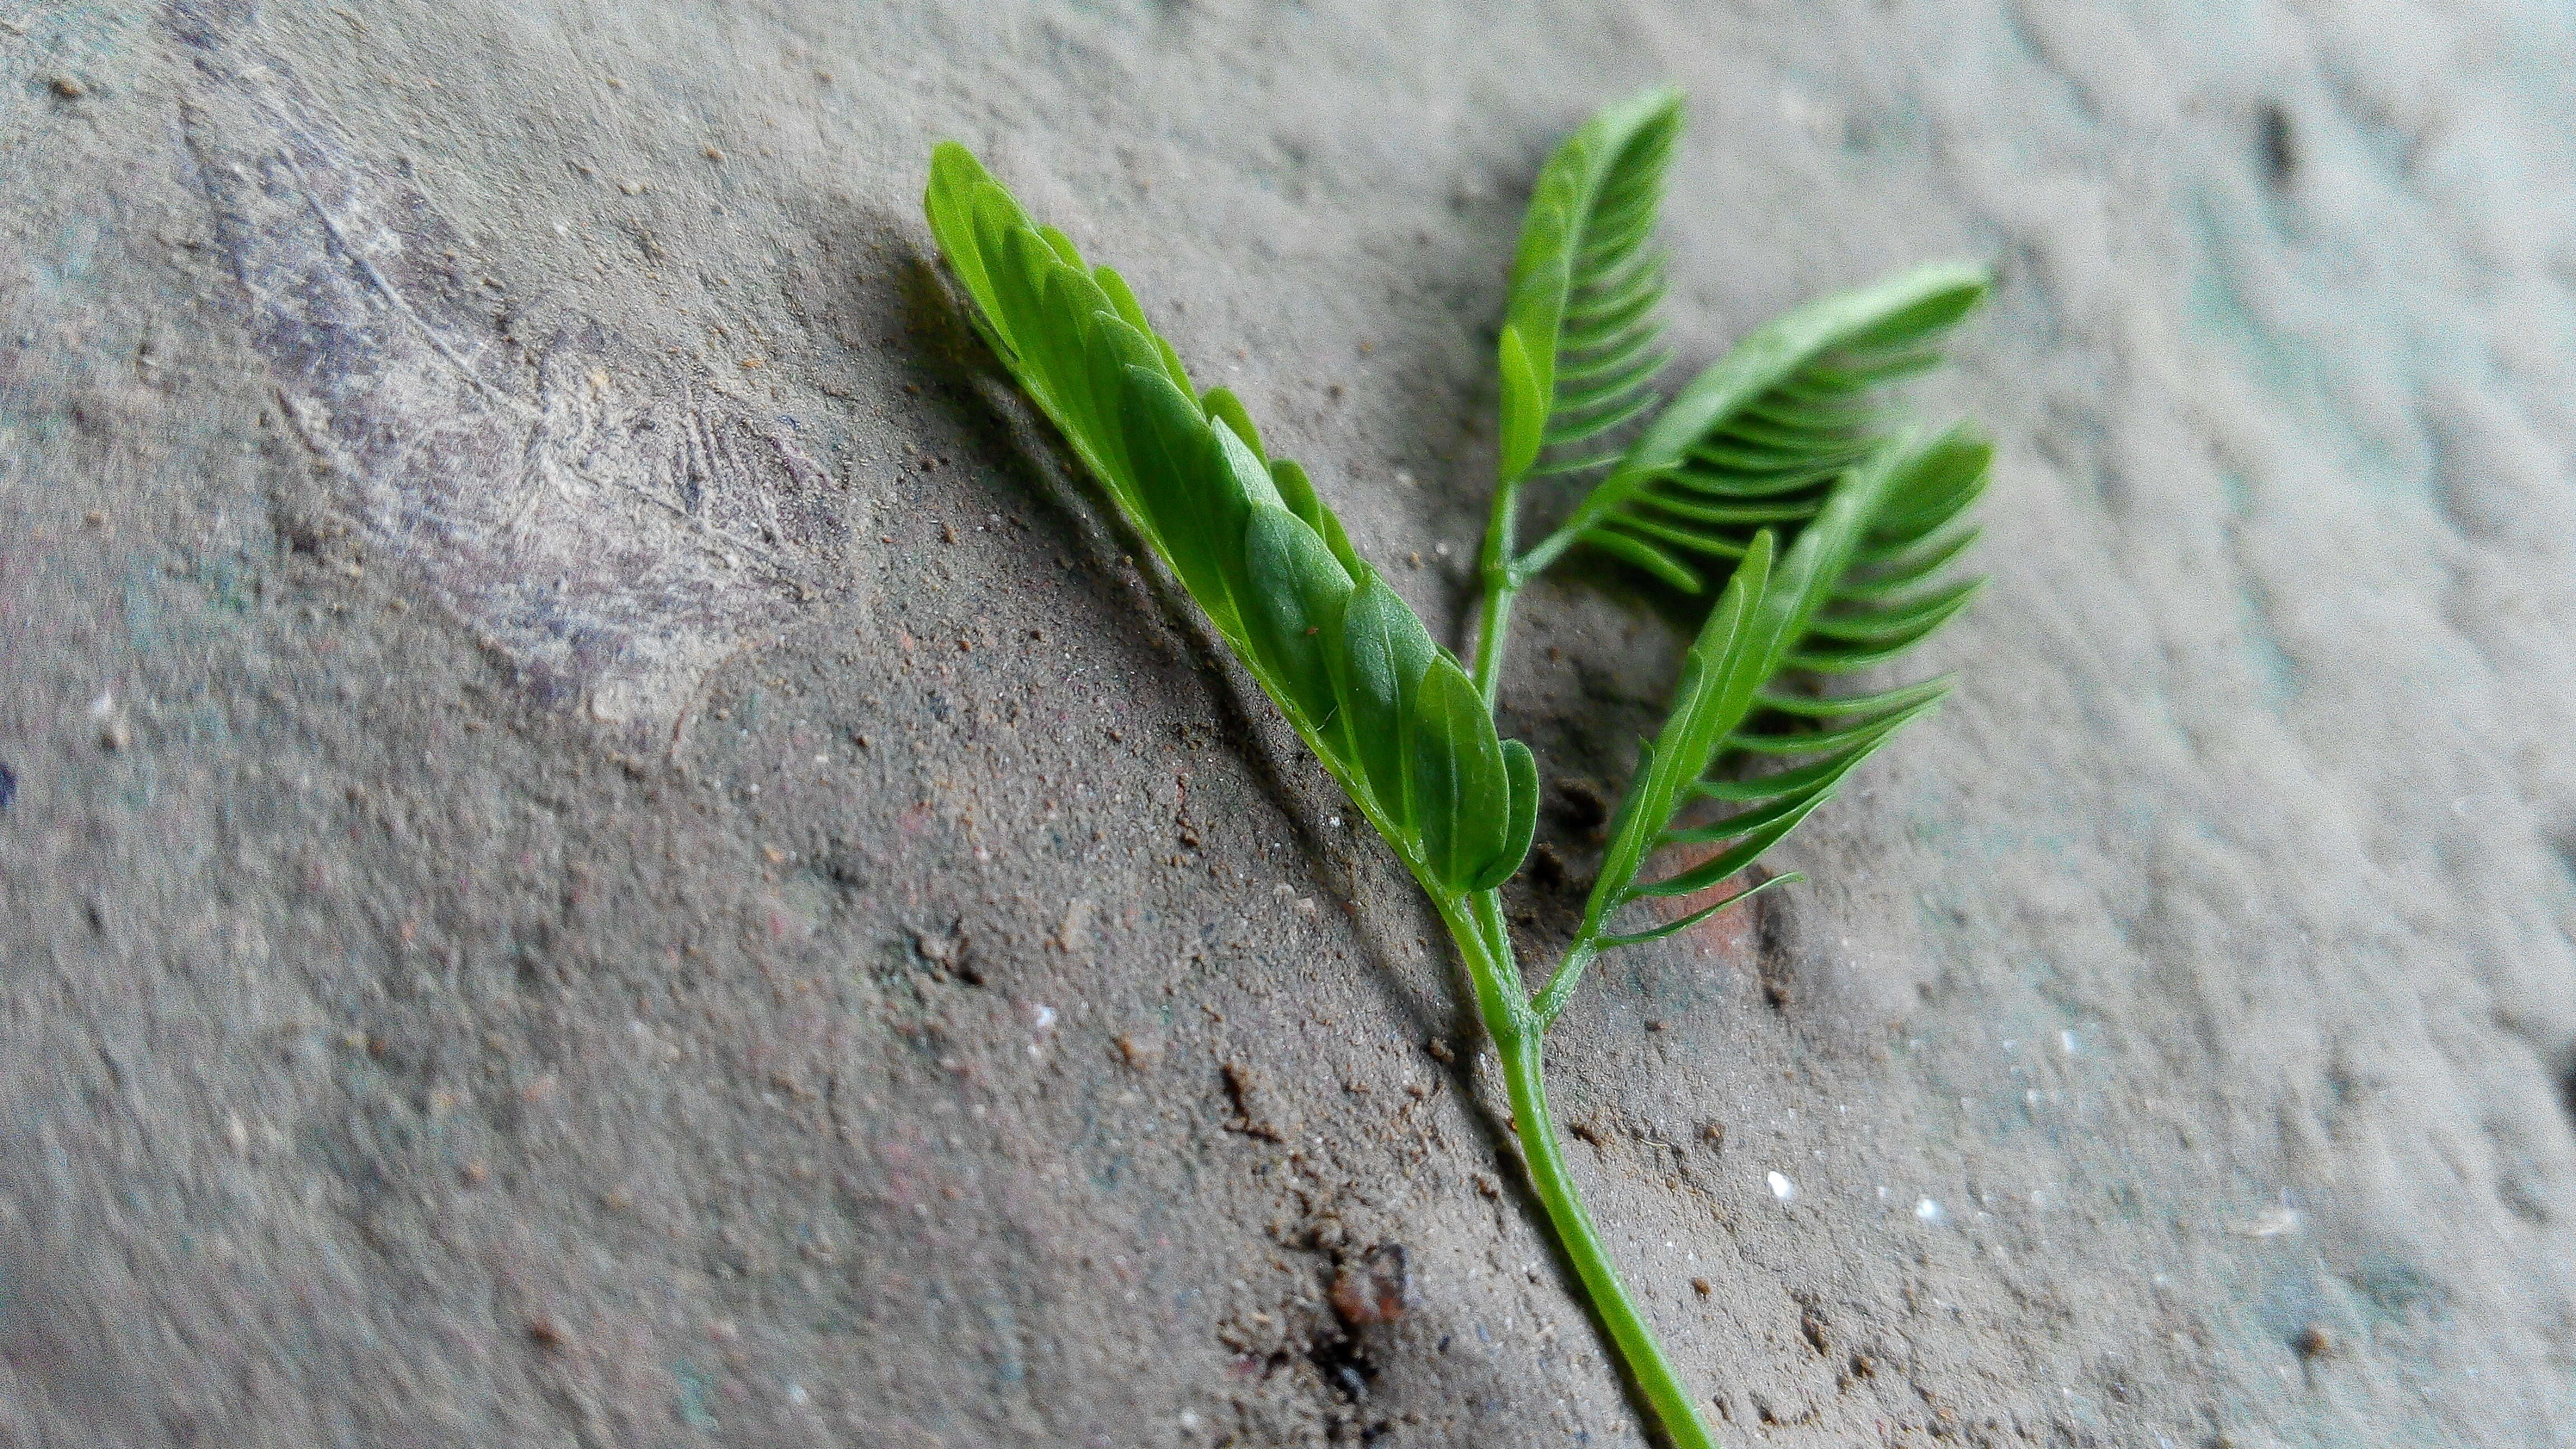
x,y
1188,490
1377,661
1223,406
1521,823
1684,923
1461,794
1524,405
1298,496
1297,593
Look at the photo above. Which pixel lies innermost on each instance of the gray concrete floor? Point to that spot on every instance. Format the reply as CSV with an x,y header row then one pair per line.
x,y
598,847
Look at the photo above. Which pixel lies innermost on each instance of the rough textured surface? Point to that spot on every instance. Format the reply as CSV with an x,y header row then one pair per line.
x,y
596,847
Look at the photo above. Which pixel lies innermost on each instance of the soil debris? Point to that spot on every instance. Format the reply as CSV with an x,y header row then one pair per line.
x,y
1371,1288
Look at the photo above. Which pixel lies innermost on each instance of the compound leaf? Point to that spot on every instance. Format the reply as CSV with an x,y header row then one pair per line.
x,y
1760,438
1578,346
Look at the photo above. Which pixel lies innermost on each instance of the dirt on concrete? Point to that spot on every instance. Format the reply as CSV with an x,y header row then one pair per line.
x,y
599,847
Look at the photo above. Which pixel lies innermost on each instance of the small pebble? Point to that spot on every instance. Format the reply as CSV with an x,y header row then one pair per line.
x,y
1782,1188
69,88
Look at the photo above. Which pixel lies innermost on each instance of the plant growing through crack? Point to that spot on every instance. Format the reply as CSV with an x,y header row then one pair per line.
x,y
1775,478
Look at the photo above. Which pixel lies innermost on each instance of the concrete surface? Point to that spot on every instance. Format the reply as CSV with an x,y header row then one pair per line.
x,y
597,847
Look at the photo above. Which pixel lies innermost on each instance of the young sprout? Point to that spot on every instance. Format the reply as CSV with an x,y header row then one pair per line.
x,y
1775,479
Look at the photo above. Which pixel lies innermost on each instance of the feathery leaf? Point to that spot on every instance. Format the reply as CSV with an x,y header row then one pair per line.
x,y
1799,613
1578,343
1760,438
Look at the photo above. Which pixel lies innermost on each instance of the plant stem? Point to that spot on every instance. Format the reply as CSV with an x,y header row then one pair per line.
x,y
1476,923
1560,987
1502,581
1545,1161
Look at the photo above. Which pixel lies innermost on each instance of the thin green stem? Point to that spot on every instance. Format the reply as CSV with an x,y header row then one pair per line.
x,y
1560,986
1599,503
1476,923
1498,937
1490,967
1502,581
1663,1389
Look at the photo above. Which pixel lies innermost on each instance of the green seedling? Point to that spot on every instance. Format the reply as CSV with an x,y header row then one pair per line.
x,y
1774,480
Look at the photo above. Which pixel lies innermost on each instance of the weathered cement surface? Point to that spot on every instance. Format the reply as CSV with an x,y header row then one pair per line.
x,y
597,848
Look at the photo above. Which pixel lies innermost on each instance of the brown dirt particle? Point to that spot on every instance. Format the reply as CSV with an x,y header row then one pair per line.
x,y
1372,1287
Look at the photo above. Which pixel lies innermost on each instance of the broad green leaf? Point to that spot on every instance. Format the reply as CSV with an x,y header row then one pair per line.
x,y
1062,246
1048,341
1377,660
1110,348
1296,594
1223,406
1115,288
950,200
1520,769
1299,496
1461,791
1134,316
1009,247
1188,491
1251,475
